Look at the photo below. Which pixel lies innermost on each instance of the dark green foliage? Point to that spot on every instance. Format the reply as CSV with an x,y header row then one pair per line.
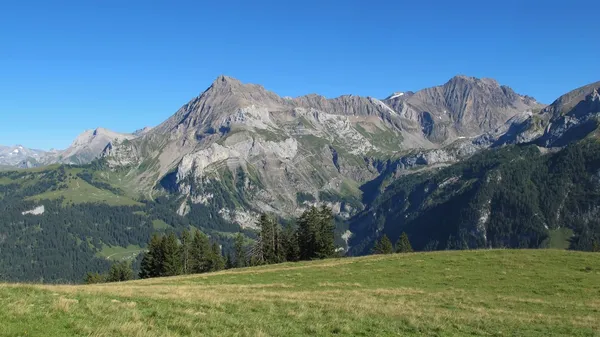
x,y
383,246
228,261
316,234
171,255
403,245
200,253
596,247
92,278
119,271
186,245
502,198
289,237
153,260
216,261
269,246
167,255
240,252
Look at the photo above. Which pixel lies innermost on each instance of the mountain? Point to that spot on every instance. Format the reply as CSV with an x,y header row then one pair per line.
x,y
238,149
462,107
86,147
511,196
571,117
514,196
19,156
270,153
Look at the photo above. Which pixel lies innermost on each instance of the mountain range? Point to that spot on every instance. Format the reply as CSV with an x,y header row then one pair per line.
x,y
466,149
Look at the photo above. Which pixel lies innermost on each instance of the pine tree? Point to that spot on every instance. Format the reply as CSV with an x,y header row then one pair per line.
x,y
377,247
289,241
326,234
315,234
383,246
119,271
268,248
228,261
403,244
216,259
172,256
200,253
306,234
596,247
152,261
186,244
92,278
240,254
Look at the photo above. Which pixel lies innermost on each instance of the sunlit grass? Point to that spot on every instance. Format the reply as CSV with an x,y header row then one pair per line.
x,y
483,293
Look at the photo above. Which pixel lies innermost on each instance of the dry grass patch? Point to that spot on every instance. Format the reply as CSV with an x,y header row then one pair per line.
x,y
64,304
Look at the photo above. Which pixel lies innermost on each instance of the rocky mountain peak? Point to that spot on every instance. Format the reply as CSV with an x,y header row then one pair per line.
x,y
223,81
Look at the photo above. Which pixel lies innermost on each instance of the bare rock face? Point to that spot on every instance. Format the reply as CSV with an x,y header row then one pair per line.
x,y
571,117
86,147
281,154
463,107
89,145
20,156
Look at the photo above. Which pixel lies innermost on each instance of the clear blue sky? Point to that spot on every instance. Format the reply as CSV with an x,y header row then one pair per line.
x,y
66,66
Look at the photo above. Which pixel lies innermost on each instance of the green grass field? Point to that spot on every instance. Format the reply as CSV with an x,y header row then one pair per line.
x,y
468,293
79,191
159,224
117,253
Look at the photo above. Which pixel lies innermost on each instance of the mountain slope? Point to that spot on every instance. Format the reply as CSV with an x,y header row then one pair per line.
x,y
282,154
462,107
88,146
571,117
19,156
509,197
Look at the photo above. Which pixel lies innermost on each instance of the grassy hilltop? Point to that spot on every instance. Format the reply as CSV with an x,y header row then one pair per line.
x,y
454,293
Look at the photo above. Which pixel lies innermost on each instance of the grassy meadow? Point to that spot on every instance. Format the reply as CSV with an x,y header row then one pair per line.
x,y
454,293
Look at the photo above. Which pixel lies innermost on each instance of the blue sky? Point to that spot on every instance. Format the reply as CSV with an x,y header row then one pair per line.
x,y
67,66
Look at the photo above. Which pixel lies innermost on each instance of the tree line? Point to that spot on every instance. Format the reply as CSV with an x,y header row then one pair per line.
x,y
193,252
384,245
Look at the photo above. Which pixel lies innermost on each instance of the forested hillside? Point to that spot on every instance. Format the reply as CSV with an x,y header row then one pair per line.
x,y
510,197
60,222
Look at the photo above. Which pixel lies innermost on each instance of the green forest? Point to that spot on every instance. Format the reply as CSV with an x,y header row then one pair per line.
x,y
511,197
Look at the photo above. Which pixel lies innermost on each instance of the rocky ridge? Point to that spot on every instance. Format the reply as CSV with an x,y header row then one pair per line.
x,y
289,152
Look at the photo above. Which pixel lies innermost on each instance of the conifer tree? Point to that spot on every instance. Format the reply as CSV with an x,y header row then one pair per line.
x,y
172,256
306,234
228,261
595,246
119,271
326,234
92,278
377,247
216,258
315,234
403,244
186,244
289,243
240,254
200,253
152,261
383,246
268,248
